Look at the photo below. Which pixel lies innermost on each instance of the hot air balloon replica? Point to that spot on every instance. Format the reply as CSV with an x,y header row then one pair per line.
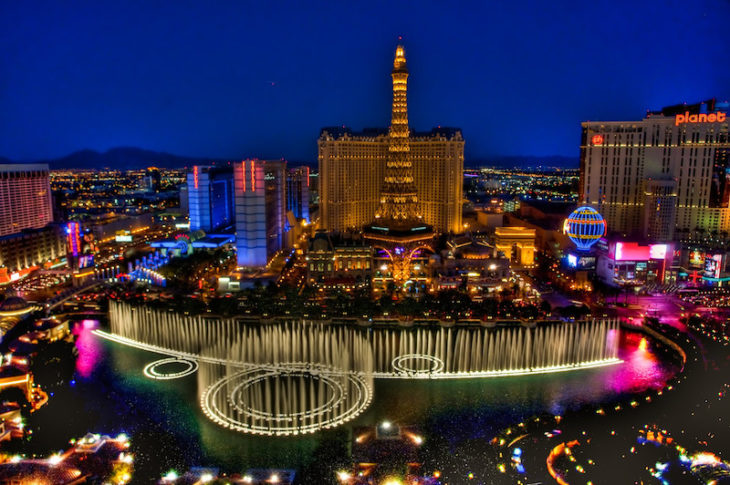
x,y
585,226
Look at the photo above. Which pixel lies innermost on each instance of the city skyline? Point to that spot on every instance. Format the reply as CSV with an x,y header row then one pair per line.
x,y
238,89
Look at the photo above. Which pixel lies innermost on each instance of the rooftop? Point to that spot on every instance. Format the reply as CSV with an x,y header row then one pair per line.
x,y
337,132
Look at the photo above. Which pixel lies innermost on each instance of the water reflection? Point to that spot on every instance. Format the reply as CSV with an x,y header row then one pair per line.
x,y
90,351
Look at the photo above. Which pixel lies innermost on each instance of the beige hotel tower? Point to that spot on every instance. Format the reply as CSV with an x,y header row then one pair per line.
x,y
352,169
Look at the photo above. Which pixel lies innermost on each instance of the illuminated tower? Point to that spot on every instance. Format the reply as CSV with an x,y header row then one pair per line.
x,y
399,229
398,198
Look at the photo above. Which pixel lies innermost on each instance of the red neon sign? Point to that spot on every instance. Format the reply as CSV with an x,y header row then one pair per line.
x,y
195,176
597,140
718,117
243,174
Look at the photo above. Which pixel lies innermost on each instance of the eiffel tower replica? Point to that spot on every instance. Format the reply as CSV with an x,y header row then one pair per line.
x,y
399,228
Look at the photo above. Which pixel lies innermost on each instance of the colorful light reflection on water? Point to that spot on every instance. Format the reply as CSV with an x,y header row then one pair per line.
x,y
90,349
641,369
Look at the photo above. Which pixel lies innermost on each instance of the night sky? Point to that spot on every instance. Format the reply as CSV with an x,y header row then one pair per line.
x,y
242,79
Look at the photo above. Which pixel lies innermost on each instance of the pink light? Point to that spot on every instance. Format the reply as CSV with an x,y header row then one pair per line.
x,y
632,252
657,251
90,350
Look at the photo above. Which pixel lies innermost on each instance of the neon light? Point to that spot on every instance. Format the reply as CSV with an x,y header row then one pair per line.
x,y
584,226
718,117
253,177
597,140
307,176
195,176
72,230
243,173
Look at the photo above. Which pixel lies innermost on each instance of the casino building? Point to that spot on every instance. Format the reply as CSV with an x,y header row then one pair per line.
x,y
662,177
352,168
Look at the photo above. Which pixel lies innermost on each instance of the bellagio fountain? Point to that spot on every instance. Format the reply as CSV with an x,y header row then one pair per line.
x,y
296,376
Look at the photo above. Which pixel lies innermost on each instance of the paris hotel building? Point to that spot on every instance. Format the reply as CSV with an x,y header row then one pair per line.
x,y
352,170
660,177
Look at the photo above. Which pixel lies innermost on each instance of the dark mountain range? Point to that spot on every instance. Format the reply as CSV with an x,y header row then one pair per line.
x,y
130,158
124,158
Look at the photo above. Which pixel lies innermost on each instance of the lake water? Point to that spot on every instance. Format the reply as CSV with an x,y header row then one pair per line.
x,y
109,394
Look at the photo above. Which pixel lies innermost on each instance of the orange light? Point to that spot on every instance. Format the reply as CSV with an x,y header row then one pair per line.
x,y
597,140
718,117
253,177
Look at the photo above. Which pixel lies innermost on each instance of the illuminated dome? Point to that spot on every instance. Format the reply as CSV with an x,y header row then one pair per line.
x,y
14,305
585,226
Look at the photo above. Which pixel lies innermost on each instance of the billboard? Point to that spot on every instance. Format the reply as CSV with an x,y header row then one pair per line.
x,y
696,259
713,265
580,261
630,251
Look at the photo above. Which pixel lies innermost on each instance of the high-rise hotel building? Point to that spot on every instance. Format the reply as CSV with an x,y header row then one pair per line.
x,y
260,206
210,198
662,176
352,169
25,197
297,192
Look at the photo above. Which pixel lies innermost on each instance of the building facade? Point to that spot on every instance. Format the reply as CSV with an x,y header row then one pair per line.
x,y
25,197
352,170
275,204
662,176
250,204
31,249
297,192
210,198
339,260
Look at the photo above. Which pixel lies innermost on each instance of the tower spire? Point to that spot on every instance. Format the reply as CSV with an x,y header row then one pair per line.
x,y
399,199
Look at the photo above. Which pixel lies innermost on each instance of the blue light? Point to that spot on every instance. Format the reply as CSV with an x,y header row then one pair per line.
x,y
585,226
572,261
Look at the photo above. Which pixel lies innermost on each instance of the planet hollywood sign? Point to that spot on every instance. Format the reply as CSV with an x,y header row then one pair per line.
x,y
718,117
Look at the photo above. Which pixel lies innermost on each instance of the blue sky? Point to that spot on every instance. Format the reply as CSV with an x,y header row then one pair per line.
x,y
238,79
